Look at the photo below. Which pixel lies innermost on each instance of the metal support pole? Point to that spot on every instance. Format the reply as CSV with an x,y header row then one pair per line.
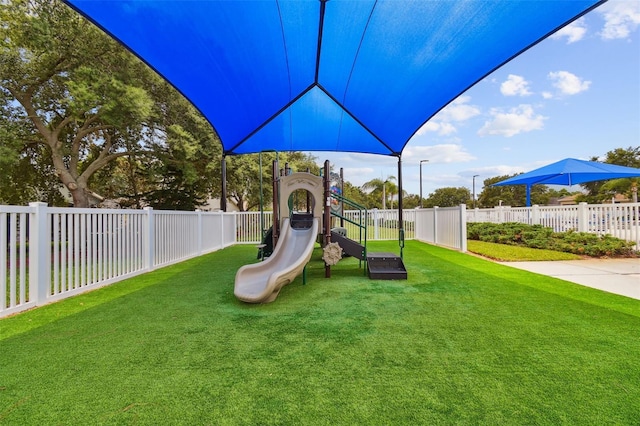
x,y
343,195
474,190
327,213
421,161
262,232
309,209
223,197
276,224
400,207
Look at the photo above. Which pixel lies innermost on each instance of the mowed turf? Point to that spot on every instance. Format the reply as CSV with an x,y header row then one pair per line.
x,y
462,341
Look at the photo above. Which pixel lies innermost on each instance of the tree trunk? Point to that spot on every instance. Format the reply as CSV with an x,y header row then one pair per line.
x,y
80,195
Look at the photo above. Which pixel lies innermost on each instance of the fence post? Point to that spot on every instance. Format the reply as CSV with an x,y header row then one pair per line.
x,y
150,239
583,217
435,224
234,238
463,228
222,236
375,224
199,231
39,243
535,215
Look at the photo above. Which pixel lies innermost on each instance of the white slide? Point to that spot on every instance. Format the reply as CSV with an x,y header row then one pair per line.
x,y
261,282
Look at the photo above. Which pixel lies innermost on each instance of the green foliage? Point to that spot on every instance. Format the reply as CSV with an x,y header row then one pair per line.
x,y
70,88
448,197
510,195
243,176
355,193
411,201
603,191
380,193
540,237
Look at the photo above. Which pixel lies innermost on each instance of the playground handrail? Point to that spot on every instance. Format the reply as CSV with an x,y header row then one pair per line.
x,y
361,209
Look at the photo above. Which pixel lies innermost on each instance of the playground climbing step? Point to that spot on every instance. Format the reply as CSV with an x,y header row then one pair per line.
x,y
386,266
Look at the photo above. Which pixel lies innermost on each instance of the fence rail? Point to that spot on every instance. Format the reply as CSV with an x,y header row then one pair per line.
x,y
618,220
50,253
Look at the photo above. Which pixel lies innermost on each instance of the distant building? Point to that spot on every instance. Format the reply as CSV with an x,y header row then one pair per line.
x,y
213,205
617,199
569,200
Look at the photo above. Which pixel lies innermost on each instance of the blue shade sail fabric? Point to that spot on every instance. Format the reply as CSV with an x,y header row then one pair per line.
x,y
569,172
337,75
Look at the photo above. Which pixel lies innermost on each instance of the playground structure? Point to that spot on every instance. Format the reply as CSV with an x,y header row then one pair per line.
x,y
295,233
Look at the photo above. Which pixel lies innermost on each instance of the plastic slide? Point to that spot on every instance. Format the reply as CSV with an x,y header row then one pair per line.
x,y
261,282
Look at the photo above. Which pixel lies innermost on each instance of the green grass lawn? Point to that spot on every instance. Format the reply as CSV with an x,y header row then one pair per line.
x,y
462,341
512,253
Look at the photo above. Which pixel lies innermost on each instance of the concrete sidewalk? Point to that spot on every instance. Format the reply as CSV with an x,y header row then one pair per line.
x,y
619,276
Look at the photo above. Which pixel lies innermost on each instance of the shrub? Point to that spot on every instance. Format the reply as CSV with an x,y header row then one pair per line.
x,y
537,236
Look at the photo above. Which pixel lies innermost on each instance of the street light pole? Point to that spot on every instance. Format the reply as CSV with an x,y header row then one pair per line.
x,y
421,161
474,190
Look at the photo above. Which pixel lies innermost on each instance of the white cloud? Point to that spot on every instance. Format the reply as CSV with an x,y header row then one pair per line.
x,y
573,32
515,85
621,19
568,83
440,127
457,111
358,175
517,120
493,171
443,153
547,95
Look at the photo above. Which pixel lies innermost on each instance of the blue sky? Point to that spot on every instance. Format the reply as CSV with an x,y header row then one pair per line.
x,y
576,94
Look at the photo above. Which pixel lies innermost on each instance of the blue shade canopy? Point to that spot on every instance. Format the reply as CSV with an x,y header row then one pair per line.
x,y
338,75
570,172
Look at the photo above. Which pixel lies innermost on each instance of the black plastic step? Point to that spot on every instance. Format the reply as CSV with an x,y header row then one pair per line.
x,y
386,266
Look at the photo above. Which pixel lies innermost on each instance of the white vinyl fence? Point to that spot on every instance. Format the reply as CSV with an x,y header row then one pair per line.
x,y
50,253
444,226
618,220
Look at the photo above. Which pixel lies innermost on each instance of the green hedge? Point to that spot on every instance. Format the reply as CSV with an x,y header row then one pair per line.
x,y
537,236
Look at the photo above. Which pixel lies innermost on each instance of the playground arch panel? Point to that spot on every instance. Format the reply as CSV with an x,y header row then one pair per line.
x,y
305,181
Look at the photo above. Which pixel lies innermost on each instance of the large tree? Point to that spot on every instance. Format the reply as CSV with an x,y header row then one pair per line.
x,y
600,191
448,197
243,176
510,195
72,91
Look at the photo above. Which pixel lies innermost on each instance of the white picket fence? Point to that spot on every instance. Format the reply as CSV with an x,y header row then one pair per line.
x,y
618,220
49,253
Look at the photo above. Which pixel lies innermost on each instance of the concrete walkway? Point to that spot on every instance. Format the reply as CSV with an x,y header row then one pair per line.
x,y
619,276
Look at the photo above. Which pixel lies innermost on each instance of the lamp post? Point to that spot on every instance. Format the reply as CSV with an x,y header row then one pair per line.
x,y
421,161
474,190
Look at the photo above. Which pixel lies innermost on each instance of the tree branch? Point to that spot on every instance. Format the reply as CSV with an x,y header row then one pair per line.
x,y
102,161
32,114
